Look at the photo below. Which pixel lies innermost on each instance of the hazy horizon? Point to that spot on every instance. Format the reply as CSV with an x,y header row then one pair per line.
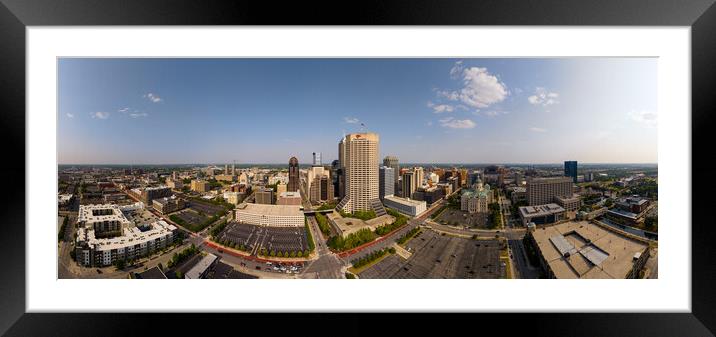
x,y
441,111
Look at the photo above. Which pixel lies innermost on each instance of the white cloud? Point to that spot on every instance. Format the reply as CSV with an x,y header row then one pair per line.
x,y
457,123
100,114
429,123
440,108
351,120
536,129
492,113
70,115
138,114
153,97
456,70
481,89
543,97
123,110
646,118
449,95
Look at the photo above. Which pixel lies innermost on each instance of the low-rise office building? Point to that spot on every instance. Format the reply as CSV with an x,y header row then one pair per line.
x,y
404,205
151,193
270,215
202,267
570,204
541,214
430,194
234,198
200,186
289,198
174,184
168,205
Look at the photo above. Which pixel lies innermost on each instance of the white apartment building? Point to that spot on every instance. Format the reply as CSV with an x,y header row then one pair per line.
x,y
131,242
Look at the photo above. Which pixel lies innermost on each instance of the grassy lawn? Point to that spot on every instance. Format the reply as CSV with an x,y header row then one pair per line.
x,y
403,241
508,266
368,265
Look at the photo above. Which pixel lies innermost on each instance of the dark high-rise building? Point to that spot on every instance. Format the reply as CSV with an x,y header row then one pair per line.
x,y
408,184
570,170
324,193
293,179
337,177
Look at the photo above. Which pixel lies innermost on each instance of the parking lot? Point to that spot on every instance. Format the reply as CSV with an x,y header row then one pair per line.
x,y
278,239
284,239
456,217
205,208
191,217
240,234
438,256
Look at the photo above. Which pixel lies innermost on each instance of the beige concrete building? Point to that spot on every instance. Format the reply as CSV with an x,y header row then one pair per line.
x,y
318,184
265,196
583,250
225,177
542,191
570,204
174,184
270,215
280,188
167,205
289,198
360,153
347,226
200,186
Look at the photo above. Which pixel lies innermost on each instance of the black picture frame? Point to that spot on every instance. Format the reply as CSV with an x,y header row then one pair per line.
x,y
16,15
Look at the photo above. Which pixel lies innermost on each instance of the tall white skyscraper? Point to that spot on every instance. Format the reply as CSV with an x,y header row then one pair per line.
x,y
360,160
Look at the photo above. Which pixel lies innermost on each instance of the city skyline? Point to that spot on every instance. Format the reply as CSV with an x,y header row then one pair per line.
x,y
462,111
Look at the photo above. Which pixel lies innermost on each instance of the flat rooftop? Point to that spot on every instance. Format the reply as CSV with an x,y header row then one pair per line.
x,y
130,236
271,210
101,212
351,225
580,249
540,210
404,201
196,271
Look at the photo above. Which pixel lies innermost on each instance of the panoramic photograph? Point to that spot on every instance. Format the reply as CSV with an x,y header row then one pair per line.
x,y
357,168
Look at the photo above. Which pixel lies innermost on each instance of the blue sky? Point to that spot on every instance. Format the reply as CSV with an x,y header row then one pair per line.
x,y
167,111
